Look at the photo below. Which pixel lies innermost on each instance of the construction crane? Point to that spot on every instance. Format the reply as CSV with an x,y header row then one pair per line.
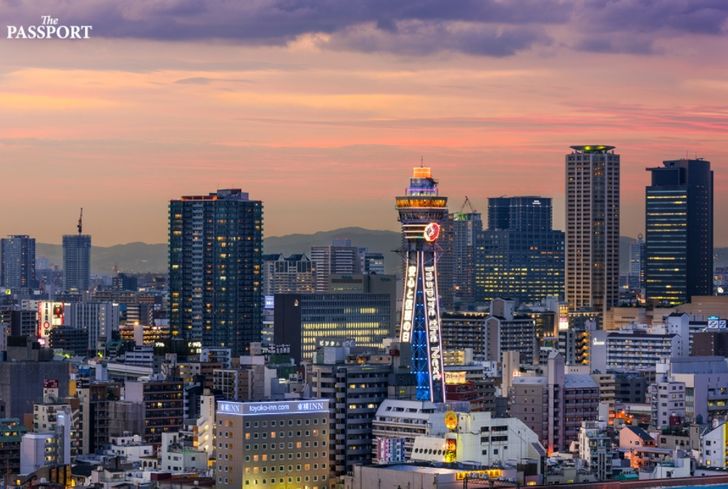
x,y
80,222
468,204
460,215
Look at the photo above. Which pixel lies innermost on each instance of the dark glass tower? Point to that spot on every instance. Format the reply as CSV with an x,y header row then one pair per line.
x,y
76,262
520,255
679,232
17,265
465,229
422,213
215,259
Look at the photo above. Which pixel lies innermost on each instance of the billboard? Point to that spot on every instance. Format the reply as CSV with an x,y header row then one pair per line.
x,y
50,316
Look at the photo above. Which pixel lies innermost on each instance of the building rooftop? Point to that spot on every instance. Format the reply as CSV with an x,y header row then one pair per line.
x,y
528,379
421,468
641,432
592,148
579,381
698,365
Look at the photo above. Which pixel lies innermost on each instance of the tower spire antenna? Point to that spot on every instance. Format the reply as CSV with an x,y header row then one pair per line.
x,y
80,222
422,161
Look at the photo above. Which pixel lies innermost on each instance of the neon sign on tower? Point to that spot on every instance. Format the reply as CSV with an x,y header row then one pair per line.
x,y
421,212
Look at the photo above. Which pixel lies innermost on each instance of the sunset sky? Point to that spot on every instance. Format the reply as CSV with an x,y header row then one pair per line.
x,y
320,108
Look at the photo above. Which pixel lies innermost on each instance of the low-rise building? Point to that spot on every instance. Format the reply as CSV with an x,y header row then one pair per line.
x,y
478,438
595,449
178,454
37,450
402,420
714,446
130,447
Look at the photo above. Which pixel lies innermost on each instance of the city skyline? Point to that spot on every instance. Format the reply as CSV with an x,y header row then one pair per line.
x,y
178,111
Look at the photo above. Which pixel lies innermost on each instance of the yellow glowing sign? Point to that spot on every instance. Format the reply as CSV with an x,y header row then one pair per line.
x,y
455,378
451,449
421,202
479,474
451,420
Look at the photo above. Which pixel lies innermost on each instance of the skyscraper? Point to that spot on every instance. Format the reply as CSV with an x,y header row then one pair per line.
x,y
679,229
77,260
592,228
215,260
520,255
17,268
465,229
422,212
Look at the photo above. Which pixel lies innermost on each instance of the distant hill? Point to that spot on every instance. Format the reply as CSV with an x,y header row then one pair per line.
x,y
382,241
144,257
129,257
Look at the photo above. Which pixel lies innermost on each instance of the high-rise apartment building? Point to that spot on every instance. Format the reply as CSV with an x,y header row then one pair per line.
x,y
215,260
76,262
679,232
592,228
520,255
17,263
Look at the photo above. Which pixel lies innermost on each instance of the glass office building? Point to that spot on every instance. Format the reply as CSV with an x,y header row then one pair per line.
x,y
679,232
520,256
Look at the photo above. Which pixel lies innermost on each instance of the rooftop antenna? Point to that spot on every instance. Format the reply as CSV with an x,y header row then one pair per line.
x,y
422,161
80,222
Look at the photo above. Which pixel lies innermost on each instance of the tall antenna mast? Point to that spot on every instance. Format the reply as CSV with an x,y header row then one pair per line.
x,y
80,222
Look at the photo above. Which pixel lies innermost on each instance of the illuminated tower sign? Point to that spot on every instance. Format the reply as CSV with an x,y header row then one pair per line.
x,y
422,212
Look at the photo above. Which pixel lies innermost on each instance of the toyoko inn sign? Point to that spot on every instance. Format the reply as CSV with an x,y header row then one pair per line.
x,y
276,407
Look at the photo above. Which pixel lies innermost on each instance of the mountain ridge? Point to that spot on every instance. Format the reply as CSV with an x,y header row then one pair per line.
x,y
138,256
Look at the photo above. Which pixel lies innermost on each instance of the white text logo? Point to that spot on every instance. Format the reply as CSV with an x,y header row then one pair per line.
x,y
49,28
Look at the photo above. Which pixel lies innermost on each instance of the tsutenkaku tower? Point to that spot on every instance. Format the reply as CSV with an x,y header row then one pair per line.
x,y
422,213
